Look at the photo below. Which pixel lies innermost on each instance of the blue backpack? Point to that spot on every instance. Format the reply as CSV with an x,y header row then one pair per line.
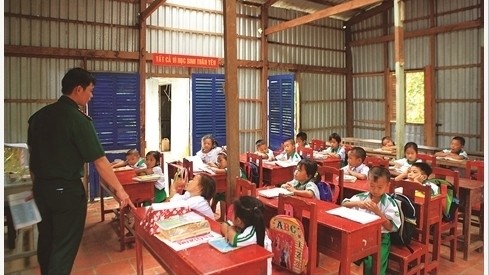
x,y
253,176
325,193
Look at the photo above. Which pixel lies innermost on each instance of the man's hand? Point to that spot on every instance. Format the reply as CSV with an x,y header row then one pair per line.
x,y
124,199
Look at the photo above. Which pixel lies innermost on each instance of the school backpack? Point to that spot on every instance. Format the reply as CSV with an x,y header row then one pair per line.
x,y
451,199
325,192
289,246
407,214
253,176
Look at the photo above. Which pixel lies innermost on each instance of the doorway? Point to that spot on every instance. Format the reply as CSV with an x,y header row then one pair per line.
x,y
165,113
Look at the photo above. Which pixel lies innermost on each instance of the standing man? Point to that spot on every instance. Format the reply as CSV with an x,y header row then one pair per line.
x,y
61,140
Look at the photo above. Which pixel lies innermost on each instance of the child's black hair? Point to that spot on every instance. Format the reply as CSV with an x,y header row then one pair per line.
x,y
250,211
359,152
411,145
260,142
335,136
156,155
311,169
387,138
302,136
132,152
211,137
378,172
208,185
424,167
460,139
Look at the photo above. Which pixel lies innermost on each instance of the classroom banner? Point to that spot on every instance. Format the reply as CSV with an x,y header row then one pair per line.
x,y
160,59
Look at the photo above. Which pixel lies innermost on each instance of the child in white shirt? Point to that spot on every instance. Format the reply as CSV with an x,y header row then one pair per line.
x,y
209,151
198,192
355,166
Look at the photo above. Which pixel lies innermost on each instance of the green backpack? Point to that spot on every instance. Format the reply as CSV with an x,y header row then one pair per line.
x,y
452,199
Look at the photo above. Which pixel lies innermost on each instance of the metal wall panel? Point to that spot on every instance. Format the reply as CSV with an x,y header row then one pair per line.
x,y
459,48
322,106
416,53
368,58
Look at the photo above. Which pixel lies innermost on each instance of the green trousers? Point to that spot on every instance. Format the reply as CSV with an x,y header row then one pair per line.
x,y
385,248
63,209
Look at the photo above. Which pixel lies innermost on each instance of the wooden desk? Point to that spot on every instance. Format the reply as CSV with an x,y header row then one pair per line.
x,y
435,215
333,162
221,179
201,259
139,192
471,192
342,239
272,173
451,163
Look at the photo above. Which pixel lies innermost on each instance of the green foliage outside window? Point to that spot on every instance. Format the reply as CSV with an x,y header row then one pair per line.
x,y
415,97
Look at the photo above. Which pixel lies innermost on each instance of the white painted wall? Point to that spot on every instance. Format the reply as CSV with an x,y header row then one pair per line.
x,y
180,116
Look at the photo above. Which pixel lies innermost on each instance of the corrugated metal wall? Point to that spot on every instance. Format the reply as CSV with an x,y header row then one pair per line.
x,y
457,71
30,83
112,25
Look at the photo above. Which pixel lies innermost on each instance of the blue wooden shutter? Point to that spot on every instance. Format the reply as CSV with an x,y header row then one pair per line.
x,y
280,109
114,109
208,109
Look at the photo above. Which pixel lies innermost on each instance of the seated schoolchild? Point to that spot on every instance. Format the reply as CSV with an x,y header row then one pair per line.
x,y
336,150
305,180
247,226
263,151
289,152
355,166
410,157
376,201
456,149
209,149
419,172
301,140
133,160
198,192
388,144
153,168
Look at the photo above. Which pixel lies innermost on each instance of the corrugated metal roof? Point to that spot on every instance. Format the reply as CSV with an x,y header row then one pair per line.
x,y
311,6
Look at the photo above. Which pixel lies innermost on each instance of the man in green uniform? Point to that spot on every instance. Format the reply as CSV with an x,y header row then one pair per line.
x,y
61,140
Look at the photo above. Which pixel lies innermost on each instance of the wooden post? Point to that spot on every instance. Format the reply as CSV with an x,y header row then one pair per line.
x,y
349,82
400,76
264,72
231,93
142,77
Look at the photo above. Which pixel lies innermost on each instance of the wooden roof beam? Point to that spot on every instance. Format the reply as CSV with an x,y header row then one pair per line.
x,y
354,4
269,3
371,12
149,10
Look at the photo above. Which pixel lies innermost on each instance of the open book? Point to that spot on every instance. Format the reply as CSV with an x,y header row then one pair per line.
x,y
353,214
198,165
147,178
285,163
449,159
274,192
222,245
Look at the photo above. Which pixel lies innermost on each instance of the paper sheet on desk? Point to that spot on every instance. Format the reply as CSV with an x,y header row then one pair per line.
x,y
354,215
190,242
285,163
24,213
198,165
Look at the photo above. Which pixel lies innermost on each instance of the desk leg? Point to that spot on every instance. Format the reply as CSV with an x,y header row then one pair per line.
x,y
102,210
376,263
139,255
467,223
435,257
122,235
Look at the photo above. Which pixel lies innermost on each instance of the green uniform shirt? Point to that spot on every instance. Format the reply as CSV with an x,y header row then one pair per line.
x,y
61,139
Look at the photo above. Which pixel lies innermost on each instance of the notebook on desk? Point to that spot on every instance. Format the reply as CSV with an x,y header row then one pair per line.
x,y
274,192
353,214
